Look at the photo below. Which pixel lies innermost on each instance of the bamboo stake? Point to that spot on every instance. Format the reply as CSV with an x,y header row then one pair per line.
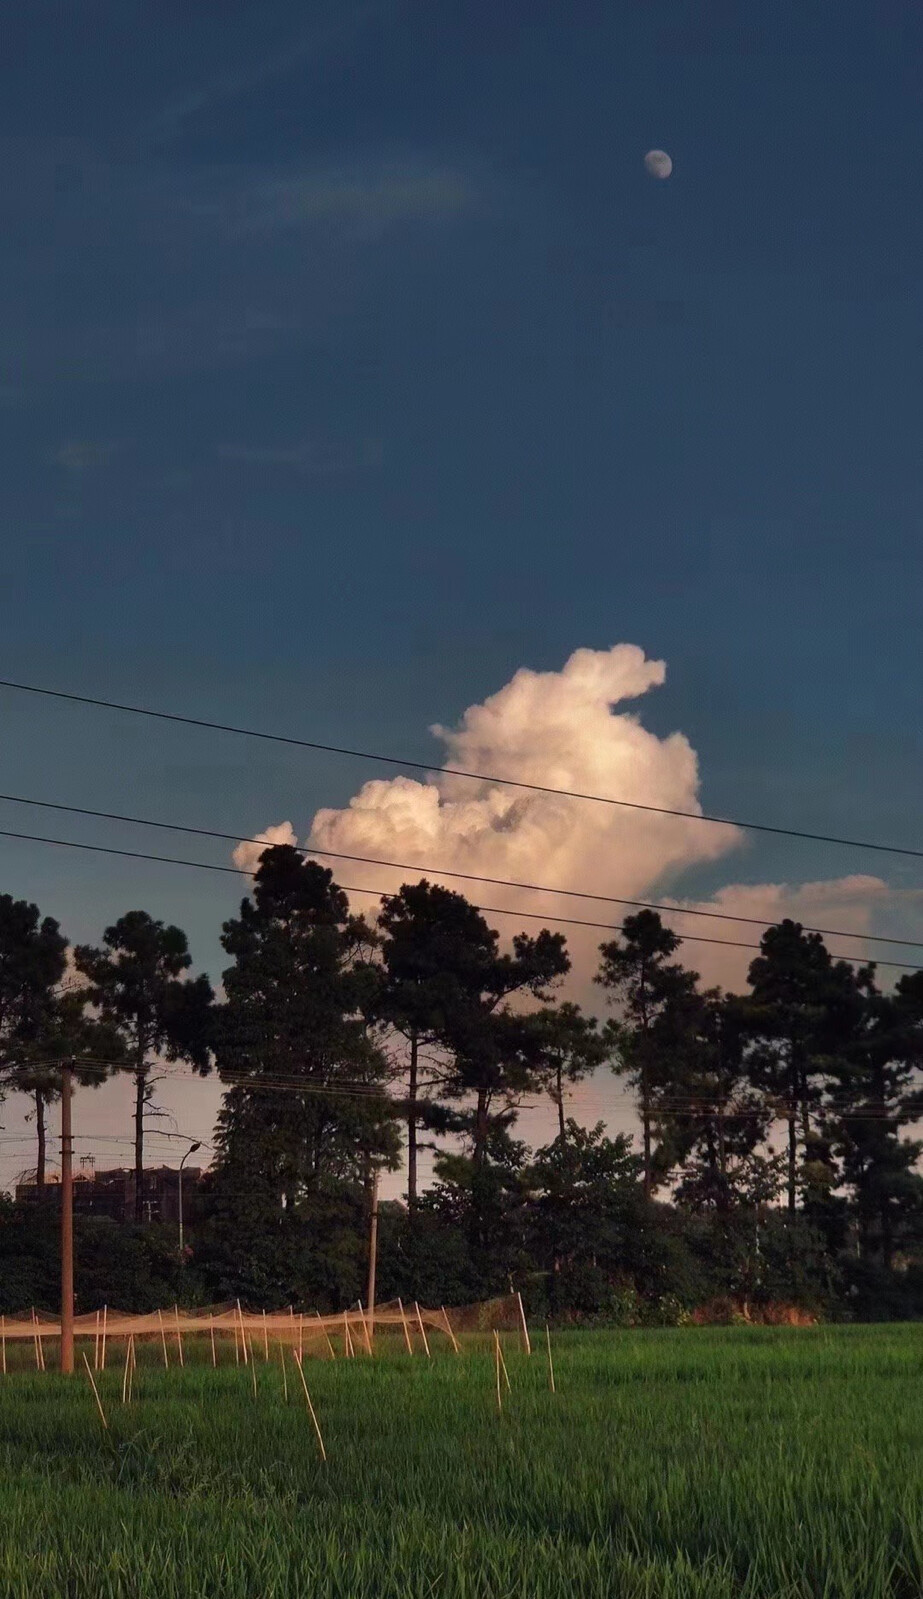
x,y
326,1335
506,1375
252,1368
422,1330
211,1328
265,1339
163,1336
284,1377
236,1343
497,1371
525,1331
131,1369
102,1346
406,1329
243,1335
35,1344
96,1345
550,1361
346,1338
365,1327
126,1372
448,1328
102,1413
304,1385
179,1336
3,1341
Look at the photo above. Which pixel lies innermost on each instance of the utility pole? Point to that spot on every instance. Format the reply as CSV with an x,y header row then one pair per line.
x,y
373,1251
67,1226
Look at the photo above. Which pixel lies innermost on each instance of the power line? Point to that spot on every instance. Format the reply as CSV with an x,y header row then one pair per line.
x,y
438,871
453,771
297,1086
378,893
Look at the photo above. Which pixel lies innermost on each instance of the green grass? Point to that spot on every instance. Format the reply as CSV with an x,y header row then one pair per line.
x,y
753,1463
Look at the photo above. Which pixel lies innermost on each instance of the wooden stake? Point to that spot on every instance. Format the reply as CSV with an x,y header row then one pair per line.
x,y
179,1336
406,1329
131,1369
253,1368
102,1413
326,1335
35,1341
448,1328
265,1339
127,1372
96,1345
346,1337
102,1346
284,1376
422,1330
506,1375
550,1361
365,1327
323,1452
525,1331
211,1328
497,1371
3,1341
243,1335
163,1336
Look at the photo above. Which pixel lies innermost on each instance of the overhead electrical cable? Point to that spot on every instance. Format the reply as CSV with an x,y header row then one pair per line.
x,y
439,871
451,771
378,893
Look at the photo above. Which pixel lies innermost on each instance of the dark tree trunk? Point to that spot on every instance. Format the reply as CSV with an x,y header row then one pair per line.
x,y
412,1124
792,1162
646,1130
480,1128
40,1137
559,1095
887,1235
140,1096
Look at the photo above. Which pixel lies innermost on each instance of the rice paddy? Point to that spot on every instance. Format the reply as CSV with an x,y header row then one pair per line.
x,y
738,1463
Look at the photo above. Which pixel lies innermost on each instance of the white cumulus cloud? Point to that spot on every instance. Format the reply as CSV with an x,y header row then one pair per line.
x,y
572,729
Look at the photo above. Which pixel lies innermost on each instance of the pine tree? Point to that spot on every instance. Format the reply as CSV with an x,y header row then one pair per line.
x,y
137,980
657,1006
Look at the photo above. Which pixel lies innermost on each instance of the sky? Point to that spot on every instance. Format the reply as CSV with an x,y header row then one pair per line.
x,y
356,380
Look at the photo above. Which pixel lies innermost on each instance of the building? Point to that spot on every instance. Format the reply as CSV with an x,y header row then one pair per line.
x,y
112,1193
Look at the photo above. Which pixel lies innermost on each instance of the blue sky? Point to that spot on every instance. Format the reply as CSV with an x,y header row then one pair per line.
x,y
349,360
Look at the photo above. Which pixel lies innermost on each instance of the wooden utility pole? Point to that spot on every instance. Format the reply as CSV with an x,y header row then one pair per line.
x,y
67,1226
373,1251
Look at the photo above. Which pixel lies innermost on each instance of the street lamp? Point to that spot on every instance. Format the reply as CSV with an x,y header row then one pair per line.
x,y
179,1191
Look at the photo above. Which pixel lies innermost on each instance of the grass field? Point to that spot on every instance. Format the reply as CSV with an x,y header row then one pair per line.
x,y
754,1463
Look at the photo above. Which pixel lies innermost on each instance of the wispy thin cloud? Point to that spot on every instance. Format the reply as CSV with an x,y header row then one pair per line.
x,y
365,202
171,122
83,455
314,457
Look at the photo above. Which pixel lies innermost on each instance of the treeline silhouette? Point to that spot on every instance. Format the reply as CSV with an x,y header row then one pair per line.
x,y
773,1161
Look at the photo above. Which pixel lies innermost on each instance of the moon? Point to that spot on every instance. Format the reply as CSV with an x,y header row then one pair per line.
x,y
658,164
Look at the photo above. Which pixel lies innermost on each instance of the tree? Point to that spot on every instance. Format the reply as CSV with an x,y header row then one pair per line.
x,y
496,1049
584,1194
716,1127
137,982
657,1006
875,1090
435,951
41,1022
306,1106
571,1047
798,1017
